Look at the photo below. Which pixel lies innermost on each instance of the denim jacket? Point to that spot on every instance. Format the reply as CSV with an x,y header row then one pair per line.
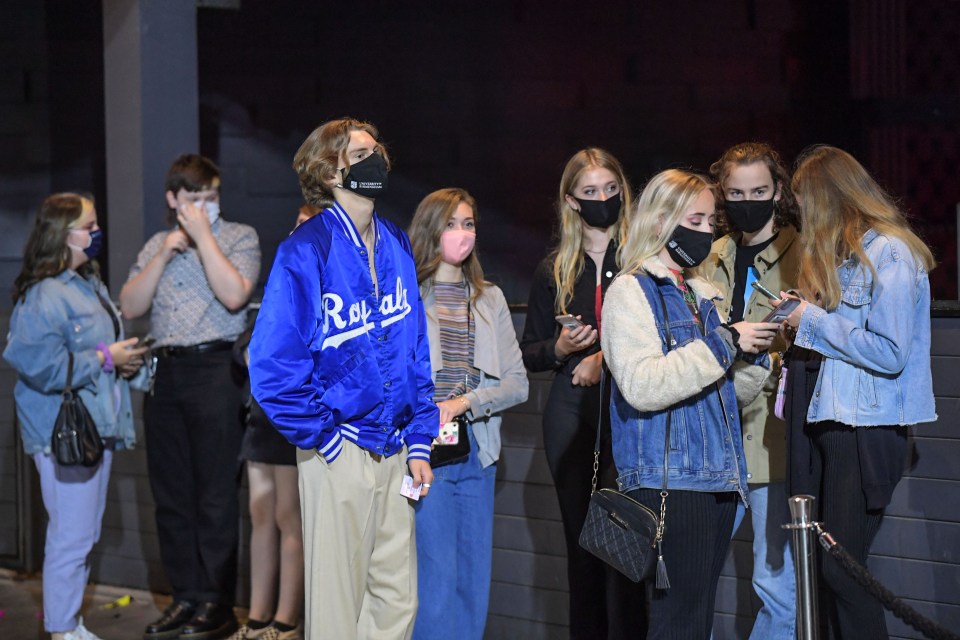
x,y
61,314
695,382
876,343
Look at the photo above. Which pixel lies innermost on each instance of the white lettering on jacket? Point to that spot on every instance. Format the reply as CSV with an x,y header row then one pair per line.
x,y
393,307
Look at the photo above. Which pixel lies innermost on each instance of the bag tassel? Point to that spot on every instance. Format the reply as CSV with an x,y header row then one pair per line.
x,y
663,582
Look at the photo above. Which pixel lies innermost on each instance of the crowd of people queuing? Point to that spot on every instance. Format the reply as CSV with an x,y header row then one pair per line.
x,y
381,362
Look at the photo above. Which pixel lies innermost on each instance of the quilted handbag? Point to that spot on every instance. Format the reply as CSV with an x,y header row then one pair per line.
x,y
619,530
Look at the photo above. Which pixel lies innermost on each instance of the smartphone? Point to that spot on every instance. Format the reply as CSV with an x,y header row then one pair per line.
x,y
146,341
569,321
780,314
762,289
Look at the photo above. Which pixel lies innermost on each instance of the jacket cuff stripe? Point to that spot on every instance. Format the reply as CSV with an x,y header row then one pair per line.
x,y
332,446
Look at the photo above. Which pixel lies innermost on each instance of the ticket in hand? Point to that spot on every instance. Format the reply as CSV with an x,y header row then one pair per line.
x,y
407,489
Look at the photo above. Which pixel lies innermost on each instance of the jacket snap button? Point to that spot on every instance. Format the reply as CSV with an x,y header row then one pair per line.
x,y
749,437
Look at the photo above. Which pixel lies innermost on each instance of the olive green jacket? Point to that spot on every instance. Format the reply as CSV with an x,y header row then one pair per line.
x,y
764,435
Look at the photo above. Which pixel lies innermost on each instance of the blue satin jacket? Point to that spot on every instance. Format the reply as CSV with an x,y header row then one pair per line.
x,y
329,359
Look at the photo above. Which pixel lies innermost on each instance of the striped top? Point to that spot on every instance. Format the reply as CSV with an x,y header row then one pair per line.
x,y
458,375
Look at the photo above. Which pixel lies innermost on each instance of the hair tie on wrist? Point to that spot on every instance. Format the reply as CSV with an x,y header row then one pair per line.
x,y
107,358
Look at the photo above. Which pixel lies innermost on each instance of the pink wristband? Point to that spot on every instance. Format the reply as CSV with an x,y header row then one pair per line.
x,y
107,358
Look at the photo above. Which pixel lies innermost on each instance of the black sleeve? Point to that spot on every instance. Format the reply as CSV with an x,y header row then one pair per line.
x,y
540,331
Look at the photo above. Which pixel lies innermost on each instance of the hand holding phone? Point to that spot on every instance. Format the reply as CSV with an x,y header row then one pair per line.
x,y
576,336
569,322
784,309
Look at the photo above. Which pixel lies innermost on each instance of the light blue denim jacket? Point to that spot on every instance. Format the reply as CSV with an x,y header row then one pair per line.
x,y
61,314
876,343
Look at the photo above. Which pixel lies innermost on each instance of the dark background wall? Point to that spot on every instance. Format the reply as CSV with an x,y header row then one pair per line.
x,y
495,96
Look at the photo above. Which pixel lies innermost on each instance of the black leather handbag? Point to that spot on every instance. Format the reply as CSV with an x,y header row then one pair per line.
x,y
75,439
443,454
619,530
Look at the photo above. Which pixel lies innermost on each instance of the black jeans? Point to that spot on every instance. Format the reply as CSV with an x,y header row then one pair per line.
x,y
695,541
193,435
848,608
603,603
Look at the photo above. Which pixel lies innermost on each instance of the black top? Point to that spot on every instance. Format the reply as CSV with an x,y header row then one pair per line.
x,y
742,261
541,330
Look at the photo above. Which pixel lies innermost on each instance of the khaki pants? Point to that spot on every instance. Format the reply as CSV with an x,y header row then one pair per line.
x,y
359,546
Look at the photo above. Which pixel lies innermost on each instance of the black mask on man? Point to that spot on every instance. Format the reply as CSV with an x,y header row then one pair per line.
x,y
688,248
600,214
367,178
749,216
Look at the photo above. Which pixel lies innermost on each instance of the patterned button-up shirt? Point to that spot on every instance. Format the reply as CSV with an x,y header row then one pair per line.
x,y
185,310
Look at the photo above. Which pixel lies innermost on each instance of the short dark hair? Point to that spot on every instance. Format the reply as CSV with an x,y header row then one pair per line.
x,y
190,172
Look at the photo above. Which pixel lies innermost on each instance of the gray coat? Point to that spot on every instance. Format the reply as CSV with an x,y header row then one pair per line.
x,y
503,379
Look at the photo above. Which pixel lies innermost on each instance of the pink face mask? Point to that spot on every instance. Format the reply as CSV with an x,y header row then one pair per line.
x,y
456,245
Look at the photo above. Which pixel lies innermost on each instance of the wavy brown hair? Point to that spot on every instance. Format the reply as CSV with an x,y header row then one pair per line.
x,y
316,160
429,222
786,210
46,254
839,202
566,259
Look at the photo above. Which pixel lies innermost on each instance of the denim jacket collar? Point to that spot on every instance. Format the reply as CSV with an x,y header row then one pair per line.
x,y
703,288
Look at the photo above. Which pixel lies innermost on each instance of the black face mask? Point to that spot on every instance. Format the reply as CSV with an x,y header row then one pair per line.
x,y
600,214
367,178
749,216
688,248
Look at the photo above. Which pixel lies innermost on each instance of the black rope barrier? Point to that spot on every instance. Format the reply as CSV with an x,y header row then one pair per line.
x,y
887,598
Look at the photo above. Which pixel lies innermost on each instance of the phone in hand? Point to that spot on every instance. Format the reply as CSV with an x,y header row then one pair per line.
x,y
569,322
146,341
780,314
762,289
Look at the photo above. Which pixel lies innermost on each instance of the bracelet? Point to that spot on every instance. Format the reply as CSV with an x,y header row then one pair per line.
x,y
107,358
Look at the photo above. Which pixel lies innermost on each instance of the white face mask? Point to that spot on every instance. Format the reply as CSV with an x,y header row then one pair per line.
x,y
213,211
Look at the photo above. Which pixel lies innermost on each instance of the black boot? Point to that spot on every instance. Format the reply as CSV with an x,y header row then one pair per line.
x,y
169,624
210,620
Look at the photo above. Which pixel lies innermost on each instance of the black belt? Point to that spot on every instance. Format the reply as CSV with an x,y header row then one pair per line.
x,y
194,349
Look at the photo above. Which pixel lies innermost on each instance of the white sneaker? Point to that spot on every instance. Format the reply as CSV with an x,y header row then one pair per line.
x,y
80,633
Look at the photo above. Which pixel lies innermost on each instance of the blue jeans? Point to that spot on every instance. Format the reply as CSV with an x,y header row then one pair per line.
x,y
773,577
454,550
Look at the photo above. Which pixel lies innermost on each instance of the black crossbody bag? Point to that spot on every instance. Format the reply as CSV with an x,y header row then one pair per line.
x,y
622,532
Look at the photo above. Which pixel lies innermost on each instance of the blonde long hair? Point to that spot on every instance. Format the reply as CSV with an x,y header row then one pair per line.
x,y
567,257
431,218
658,213
839,202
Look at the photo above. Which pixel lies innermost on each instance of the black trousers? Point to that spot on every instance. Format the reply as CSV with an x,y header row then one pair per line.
x,y
851,612
695,542
193,435
604,604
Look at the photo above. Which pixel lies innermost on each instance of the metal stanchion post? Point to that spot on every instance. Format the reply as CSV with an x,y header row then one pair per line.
x,y
805,568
